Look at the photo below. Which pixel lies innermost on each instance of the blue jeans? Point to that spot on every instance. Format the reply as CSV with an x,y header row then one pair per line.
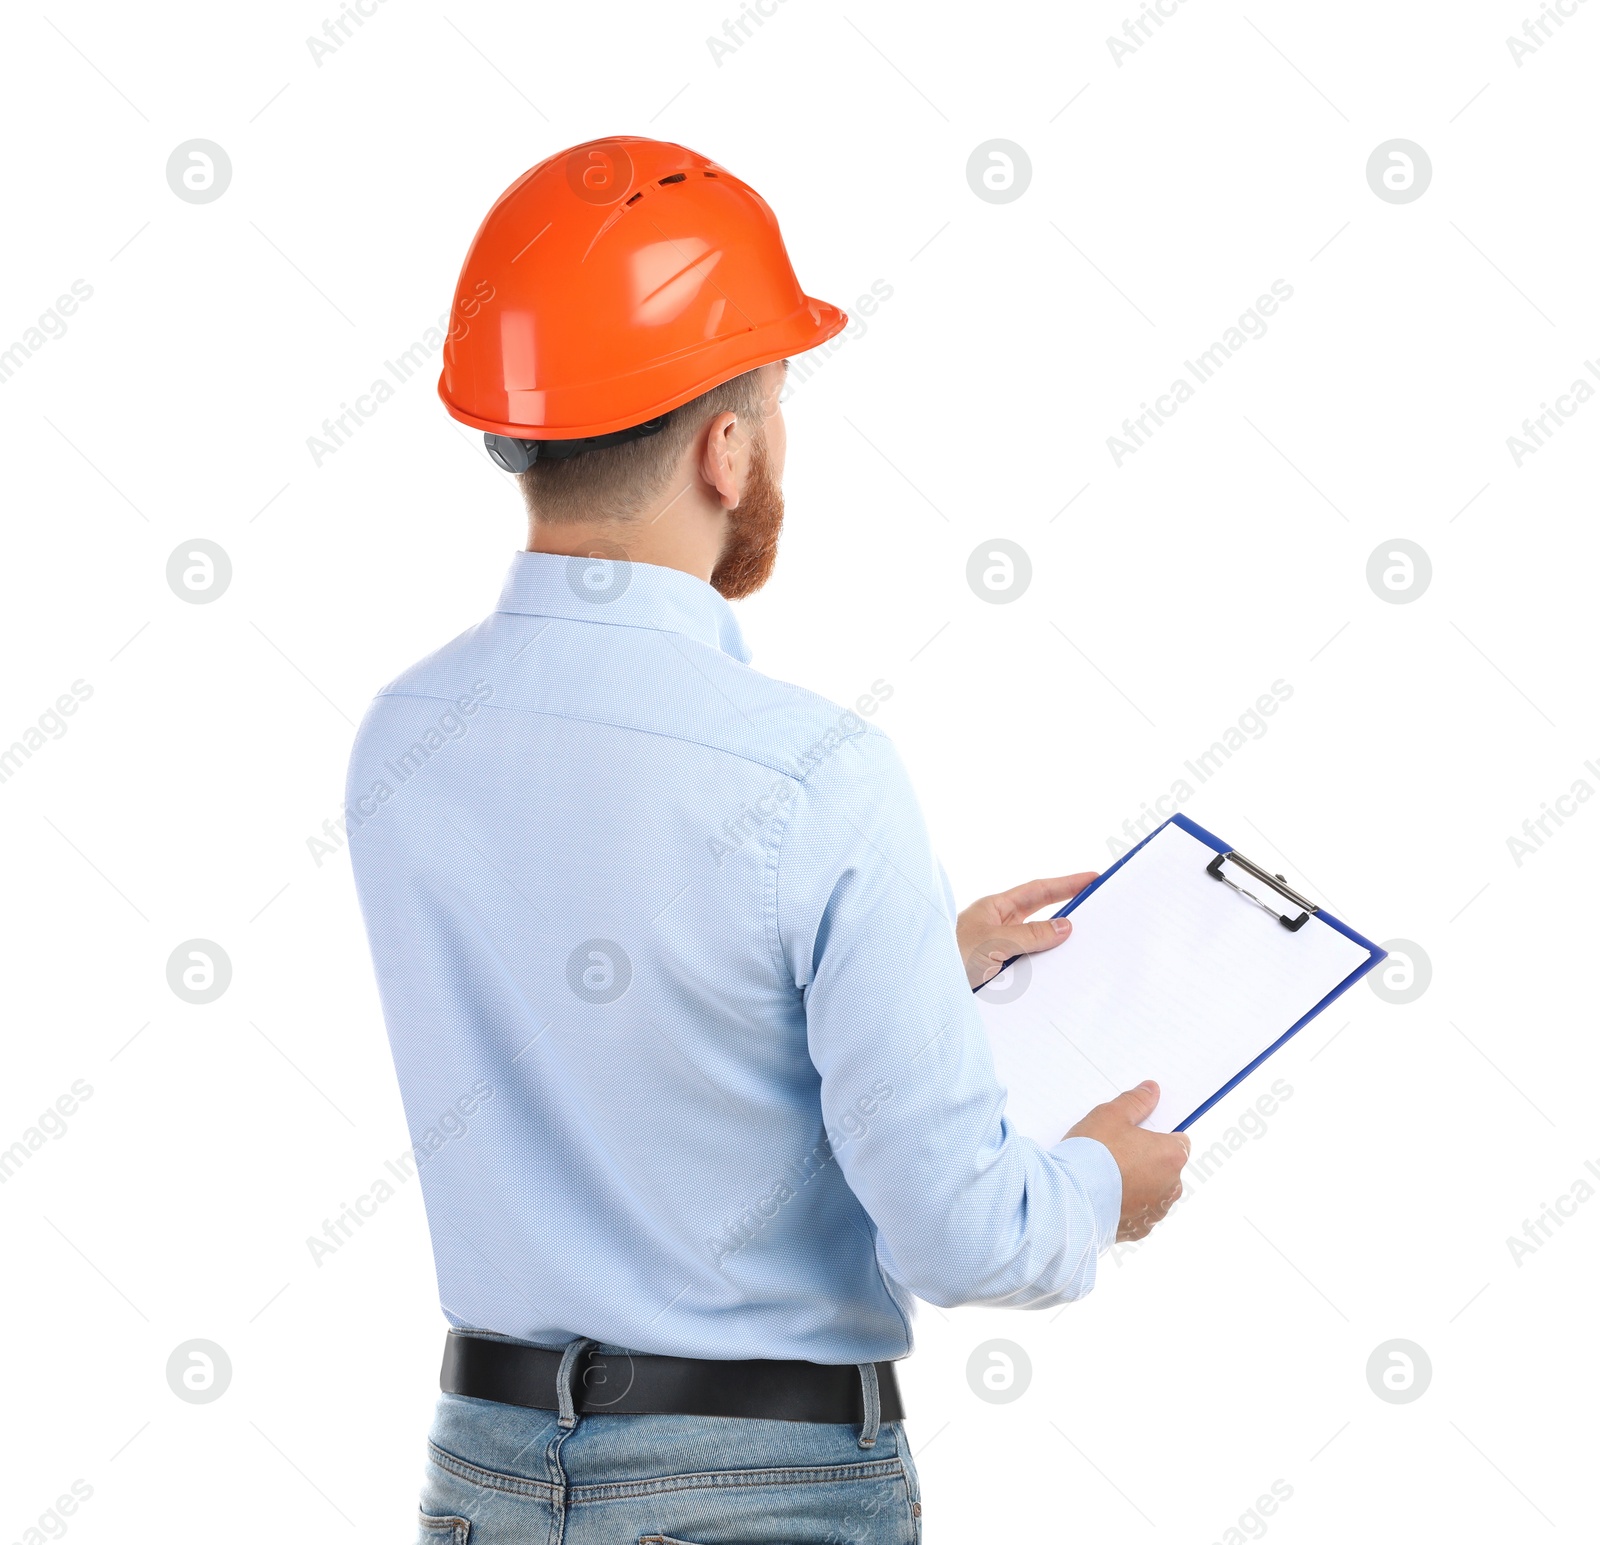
x,y
499,1474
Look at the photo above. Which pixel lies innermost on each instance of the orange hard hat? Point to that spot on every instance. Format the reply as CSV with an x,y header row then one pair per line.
x,y
610,284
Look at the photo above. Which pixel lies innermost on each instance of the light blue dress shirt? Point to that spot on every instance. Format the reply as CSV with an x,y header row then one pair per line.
x,y
669,970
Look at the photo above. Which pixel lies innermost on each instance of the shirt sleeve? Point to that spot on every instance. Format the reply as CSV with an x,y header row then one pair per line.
x,y
967,1210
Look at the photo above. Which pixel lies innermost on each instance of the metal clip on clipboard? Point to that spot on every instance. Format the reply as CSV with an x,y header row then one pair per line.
x,y
1272,882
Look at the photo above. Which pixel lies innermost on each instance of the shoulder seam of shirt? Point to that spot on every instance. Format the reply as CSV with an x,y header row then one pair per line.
x,y
861,730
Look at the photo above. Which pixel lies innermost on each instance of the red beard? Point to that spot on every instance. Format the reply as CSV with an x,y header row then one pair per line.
x,y
751,550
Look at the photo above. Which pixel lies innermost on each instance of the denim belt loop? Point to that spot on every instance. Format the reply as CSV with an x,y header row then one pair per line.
x,y
871,1410
566,1411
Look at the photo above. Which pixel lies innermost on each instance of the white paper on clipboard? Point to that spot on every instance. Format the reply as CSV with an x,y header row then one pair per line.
x,y
1166,975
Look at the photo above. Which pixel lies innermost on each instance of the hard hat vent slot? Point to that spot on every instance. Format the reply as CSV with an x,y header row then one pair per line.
x,y
634,200
675,177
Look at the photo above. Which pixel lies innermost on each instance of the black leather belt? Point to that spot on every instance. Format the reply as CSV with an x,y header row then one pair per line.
x,y
622,1385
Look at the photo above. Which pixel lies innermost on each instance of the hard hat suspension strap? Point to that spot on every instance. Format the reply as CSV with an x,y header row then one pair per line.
x,y
513,455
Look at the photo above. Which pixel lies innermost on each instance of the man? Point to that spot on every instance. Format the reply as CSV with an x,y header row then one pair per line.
x,y
678,999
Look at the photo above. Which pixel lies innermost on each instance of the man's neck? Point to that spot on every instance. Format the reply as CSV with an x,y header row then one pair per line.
x,y
691,546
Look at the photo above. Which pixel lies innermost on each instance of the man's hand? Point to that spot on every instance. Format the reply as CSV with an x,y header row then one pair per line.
x,y
1151,1162
994,928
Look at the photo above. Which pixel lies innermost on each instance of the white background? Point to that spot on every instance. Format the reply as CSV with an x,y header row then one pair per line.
x,y
1167,193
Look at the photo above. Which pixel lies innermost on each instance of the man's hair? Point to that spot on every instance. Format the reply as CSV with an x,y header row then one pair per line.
x,y
617,481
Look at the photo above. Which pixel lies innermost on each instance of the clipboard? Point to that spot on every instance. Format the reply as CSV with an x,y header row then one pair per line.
x,y
1194,966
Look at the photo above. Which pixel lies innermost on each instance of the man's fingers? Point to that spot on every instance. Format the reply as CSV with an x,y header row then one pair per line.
x,y
1138,1224
1048,932
987,957
985,962
1135,1104
1020,900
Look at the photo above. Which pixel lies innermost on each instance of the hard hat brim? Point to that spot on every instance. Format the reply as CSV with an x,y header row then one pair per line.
x,y
561,414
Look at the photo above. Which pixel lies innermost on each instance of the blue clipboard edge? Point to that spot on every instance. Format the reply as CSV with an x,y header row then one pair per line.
x,y
1194,829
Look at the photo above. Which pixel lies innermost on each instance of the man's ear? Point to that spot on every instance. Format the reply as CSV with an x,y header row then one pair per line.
x,y
719,462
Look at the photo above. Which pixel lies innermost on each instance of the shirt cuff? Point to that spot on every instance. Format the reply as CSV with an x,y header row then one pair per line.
x,y
1088,1161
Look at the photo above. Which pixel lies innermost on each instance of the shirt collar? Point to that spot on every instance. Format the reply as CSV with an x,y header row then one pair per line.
x,y
622,594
